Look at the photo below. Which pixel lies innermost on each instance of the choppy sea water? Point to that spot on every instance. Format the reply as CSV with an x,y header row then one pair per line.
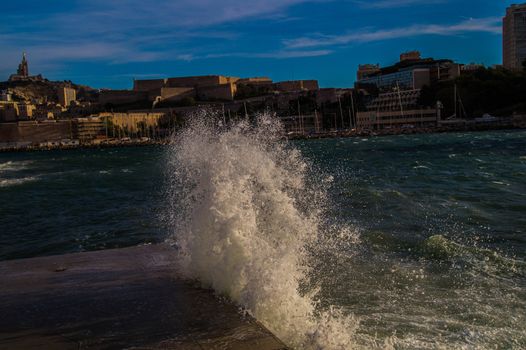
x,y
423,241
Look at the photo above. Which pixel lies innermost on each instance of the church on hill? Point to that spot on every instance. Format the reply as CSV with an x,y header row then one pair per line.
x,y
22,73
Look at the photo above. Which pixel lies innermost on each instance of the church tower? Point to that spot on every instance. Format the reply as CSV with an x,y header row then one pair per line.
x,y
23,69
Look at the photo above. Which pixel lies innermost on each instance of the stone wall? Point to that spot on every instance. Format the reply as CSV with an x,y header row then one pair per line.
x,y
254,81
217,92
176,94
310,84
200,81
147,85
35,132
172,94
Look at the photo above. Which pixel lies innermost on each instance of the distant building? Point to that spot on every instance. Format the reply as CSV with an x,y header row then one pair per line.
x,y
254,81
252,87
410,56
23,67
87,129
411,73
5,96
200,81
35,132
11,111
405,79
206,87
221,92
131,124
514,37
25,111
395,110
216,87
22,72
296,85
66,95
8,111
171,94
365,70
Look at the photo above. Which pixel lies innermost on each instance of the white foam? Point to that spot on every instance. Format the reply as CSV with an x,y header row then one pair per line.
x,y
14,166
15,182
244,217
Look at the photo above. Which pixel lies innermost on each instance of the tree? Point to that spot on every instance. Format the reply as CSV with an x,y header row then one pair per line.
x,y
496,91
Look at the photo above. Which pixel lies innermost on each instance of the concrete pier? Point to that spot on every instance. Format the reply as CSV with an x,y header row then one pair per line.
x,y
129,298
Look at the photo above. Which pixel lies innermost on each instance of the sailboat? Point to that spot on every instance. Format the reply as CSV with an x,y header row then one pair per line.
x,y
458,101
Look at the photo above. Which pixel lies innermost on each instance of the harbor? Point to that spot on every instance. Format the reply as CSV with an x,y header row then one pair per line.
x,y
295,133
289,175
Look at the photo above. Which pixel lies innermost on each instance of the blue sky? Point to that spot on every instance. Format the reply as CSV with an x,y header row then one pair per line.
x,y
107,43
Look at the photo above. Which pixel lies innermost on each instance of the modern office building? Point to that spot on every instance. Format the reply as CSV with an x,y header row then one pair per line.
x,y
514,37
365,70
411,73
405,79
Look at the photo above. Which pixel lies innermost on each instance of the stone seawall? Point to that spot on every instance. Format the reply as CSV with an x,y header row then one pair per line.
x,y
35,132
132,298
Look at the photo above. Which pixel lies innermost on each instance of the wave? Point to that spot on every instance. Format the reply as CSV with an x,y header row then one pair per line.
x,y
16,182
439,248
246,214
14,166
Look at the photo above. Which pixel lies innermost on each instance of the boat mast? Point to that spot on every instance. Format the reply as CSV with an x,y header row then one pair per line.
x,y
456,103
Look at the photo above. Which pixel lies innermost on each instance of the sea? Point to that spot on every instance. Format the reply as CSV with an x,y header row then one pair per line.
x,y
395,242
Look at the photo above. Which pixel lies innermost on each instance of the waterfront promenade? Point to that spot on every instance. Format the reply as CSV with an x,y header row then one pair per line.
x,y
132,298
290,135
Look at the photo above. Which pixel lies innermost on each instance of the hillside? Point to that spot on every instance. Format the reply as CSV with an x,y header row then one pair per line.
x,y
46,90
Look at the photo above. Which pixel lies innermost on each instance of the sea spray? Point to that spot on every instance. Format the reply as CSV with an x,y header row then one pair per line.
x,y
246,211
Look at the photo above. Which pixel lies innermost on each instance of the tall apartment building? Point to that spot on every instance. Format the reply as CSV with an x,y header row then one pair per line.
x,y
66,95
514,37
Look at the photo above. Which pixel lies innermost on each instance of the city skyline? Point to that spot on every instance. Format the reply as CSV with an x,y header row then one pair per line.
x,y
107,45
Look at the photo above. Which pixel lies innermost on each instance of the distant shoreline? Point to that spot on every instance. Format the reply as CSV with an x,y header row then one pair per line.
x,y
38,148
314,136
410,131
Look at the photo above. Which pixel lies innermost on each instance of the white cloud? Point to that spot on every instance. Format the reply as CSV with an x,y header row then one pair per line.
x,y
120,31
384,4
176,14
280,54
487,25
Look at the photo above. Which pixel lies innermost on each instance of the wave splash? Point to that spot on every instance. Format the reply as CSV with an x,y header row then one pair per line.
x,y
247,215
17,181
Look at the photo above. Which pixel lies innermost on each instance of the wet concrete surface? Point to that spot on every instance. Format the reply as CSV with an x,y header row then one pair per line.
x,y
130,298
